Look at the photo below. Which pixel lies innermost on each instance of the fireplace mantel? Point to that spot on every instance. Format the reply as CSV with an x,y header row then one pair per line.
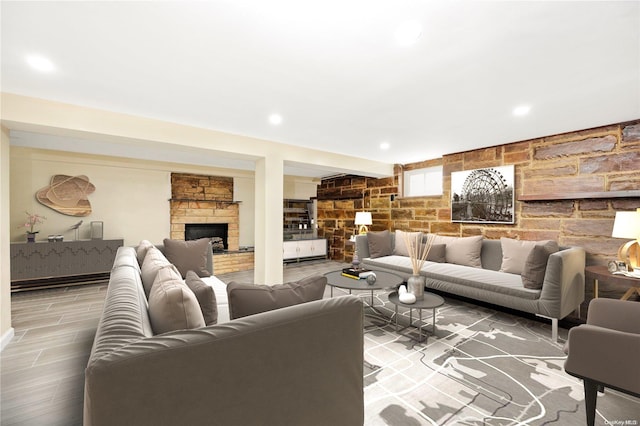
x,y
199,199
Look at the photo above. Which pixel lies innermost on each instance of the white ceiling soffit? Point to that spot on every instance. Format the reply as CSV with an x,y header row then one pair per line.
x,y
158,152
333,70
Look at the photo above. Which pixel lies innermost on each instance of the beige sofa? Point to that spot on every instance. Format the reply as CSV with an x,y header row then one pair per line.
x,y
297,365
561,280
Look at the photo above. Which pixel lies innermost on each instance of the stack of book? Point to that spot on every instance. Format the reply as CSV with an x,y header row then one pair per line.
x,y
356,274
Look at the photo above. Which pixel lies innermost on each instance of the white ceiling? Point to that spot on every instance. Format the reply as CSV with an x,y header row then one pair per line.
x,y
334,71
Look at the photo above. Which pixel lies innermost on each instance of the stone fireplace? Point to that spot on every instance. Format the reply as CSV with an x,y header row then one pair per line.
x,y
204,200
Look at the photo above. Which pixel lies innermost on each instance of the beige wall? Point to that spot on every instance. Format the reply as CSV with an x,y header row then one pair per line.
x,y
131,196
130,199
300,188
6,331
243,190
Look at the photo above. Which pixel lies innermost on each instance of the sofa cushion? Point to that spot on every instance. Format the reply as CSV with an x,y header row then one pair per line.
x,y
393,262
141,250
402,237
516,252
437,253
462,250
379,244
172,305
188,255
154,260
249,299
536,264
222,302
206,297
496,285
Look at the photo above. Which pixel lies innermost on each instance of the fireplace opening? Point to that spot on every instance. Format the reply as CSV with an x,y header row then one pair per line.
x,y
218,232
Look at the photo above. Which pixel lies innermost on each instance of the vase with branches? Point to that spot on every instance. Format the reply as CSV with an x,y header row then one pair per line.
x,y
418,252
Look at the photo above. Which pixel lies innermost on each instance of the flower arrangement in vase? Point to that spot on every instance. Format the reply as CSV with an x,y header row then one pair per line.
x,y
33,219
418,252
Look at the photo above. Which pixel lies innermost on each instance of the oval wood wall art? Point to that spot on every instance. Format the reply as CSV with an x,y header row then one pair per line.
x,y
67,195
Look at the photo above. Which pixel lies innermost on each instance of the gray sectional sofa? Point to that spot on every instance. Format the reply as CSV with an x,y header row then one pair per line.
x,y
562,285
300,364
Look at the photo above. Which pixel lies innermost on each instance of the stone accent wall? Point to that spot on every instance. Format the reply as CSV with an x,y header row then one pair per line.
x,y
203,199
600,159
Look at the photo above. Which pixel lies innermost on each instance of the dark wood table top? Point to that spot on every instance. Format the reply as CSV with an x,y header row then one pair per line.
x,y
601,273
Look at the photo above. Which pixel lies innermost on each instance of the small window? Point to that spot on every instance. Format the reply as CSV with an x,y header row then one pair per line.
x,y
423,182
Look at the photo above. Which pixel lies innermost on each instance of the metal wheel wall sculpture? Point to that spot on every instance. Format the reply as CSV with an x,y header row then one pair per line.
x,y
483,195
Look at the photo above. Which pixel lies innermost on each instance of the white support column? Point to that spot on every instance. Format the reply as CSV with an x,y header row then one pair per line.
x,y
6,331
269,183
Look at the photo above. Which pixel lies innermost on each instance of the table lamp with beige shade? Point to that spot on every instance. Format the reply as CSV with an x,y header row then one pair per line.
x,y
627,225
363,219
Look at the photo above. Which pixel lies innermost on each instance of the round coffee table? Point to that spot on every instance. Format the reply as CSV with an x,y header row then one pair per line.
x,y
383,280
430,301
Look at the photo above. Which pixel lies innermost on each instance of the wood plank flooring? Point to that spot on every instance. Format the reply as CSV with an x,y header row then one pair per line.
x,y
42,368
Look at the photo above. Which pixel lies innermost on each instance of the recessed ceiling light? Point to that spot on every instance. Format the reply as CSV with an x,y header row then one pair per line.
x,y
40,63
521,110
275,119
408,33
384,146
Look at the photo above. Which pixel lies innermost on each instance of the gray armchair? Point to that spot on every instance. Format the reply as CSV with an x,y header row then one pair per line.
x,y
604,352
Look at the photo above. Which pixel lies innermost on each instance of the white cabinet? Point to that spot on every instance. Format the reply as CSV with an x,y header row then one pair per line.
x,y
290,250
301,249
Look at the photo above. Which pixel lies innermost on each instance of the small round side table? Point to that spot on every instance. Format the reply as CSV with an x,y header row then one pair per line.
x,y
430,301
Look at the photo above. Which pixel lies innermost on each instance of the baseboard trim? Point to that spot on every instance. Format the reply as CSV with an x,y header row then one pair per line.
x,y
6,338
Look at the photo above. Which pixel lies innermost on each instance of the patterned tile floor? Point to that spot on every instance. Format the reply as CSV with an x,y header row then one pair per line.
x,y
482,367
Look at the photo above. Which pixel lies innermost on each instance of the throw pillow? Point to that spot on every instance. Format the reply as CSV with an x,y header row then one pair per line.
x,y
516,252
206,297
154,260
188,255
249,299
462,250
172,306
141,250
379,244
401,248
536,264
437,253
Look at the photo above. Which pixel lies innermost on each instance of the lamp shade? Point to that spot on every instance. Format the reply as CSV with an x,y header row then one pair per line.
x,y
363,218
627,225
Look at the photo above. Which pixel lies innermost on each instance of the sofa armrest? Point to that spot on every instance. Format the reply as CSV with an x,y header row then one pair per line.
x,y
297,365
607,356
563,286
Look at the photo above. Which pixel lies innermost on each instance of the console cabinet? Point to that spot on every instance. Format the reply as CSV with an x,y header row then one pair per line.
x,y
296,250
53,264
